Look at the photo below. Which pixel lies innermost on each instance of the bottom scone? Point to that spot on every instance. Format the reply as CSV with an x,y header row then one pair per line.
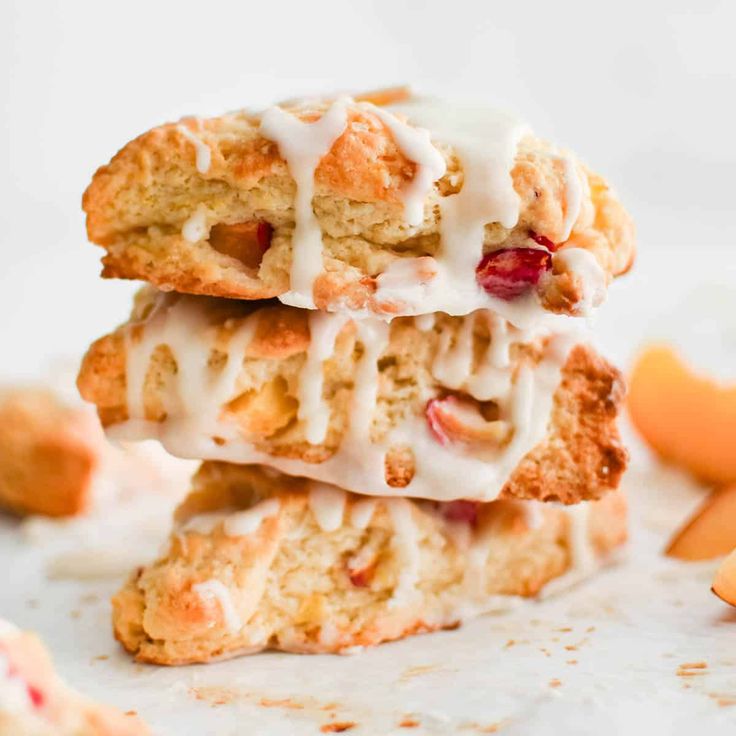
x,y
35,702
260,560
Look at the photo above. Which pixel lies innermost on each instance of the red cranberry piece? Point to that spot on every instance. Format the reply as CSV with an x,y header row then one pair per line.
x,y
264,235
36,696
435,422
509,272
465,511
543,240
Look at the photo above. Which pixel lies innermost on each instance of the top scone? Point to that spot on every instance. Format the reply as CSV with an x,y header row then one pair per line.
x,y
399,209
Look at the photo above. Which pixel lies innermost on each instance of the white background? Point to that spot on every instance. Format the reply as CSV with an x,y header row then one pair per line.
x,y
644,91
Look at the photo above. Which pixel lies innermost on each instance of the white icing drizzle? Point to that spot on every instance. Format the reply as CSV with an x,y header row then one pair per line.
x,y
486,141
202,150
303,145
215,591
454,360
327,504
313,409
195,228
362,512
583,264
194,397
573,196
406,543
415,143
234,523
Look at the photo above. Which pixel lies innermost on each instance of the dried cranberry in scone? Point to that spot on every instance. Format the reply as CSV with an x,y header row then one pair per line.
x,y
462,511
246,241
543,240
510,272
454,419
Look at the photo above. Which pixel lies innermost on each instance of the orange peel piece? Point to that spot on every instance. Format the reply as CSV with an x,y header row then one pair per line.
x,y
688,419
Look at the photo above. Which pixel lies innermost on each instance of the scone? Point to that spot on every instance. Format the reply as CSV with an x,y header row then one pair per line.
x,y
415,207
435,407
260,560
35,702
49,453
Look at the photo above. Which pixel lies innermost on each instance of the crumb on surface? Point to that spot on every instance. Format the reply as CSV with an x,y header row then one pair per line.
x,y
338,727
409,723
555,682
281,703
694,665
572,661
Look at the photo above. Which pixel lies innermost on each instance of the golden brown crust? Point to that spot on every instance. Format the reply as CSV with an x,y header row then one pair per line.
x,y
580,458
49,453
138,203
290,585
55,709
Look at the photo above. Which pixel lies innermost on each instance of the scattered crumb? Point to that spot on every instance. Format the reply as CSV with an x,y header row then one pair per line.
x,y
131,712
723,701
420,669
338,727
101,657
510,643
409,723
213,695
590,630
564,630
75,613
692,669
572,661
479,728
280,703
571,647
555,683
546,652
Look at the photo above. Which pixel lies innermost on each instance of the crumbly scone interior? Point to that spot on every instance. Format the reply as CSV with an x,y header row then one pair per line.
x,y
260,560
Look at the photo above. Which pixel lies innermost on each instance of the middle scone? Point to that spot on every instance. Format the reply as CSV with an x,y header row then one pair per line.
x,y
435,407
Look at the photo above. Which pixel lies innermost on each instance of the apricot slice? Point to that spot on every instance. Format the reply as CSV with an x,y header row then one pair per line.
x,y
246,241
724,583
711,530
688,419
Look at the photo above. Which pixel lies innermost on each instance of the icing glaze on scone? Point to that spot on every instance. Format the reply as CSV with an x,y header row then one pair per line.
x,y
441,408
347,206
195,396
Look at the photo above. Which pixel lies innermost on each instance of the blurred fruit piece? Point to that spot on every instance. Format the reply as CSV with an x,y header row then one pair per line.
x,y
690,420
724,583
711,530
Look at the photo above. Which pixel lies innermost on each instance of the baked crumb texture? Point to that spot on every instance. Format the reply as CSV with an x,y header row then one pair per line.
x,y
259,560
49,453
244,382
208,206
35,702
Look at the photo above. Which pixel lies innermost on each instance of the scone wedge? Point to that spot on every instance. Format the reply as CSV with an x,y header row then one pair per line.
x,y
35,702
342,204
260,560
49,453
434,407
